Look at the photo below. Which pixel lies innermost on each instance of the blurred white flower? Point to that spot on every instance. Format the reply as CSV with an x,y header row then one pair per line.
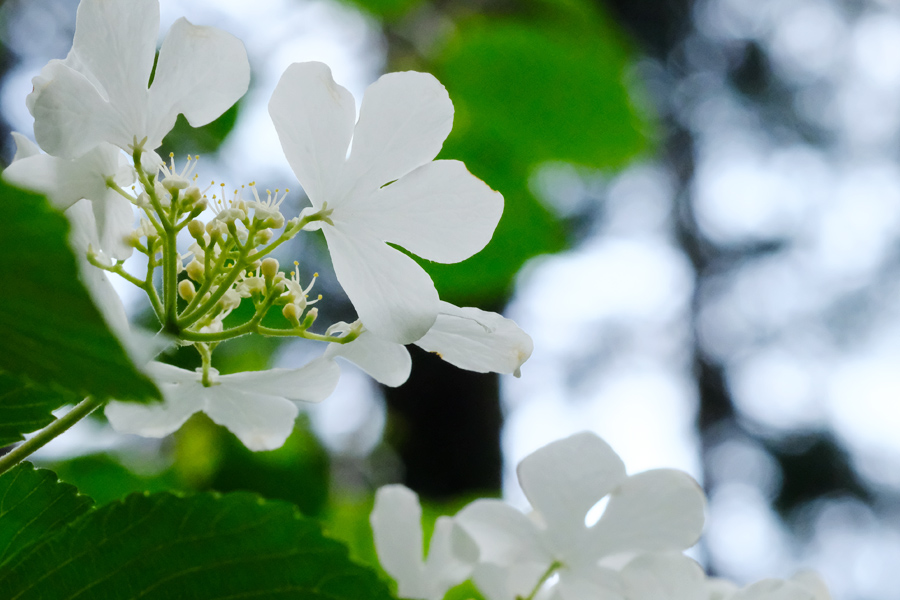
x,y
659,511
388,189
101,93
257,406
805,585
397,527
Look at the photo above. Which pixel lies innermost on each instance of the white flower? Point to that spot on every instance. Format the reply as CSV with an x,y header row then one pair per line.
x,y
664,576
659,511
66,181
99,92
397,527
805,585
435,209
466,337
256,406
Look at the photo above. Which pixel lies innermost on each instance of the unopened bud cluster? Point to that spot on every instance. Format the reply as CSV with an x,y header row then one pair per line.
x,y
227,261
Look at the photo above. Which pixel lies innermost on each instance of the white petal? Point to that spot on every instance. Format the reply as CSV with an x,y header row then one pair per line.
x,y
260,422
83,233
394,297
477,340
201,72
115,220
654,511
311,383
720,589
564,479
404,119
812,581
774,589
71,117
24,147
516,581
66,181
439,211
314,119
182,395
388,363
664,577
397,527
115,40
590,585
452,555
504,535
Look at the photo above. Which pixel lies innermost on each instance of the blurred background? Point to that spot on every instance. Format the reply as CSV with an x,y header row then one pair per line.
x,y
701,235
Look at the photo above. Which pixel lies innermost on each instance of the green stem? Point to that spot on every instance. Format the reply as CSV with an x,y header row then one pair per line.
x,y
189,318
45,435
550,571
206,355
170,278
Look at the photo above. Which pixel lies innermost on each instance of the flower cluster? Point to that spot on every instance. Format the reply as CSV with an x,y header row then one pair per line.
x,y
372,181
634,551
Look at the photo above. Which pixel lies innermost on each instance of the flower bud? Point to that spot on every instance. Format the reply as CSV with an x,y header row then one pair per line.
x,y
310,318
186,290
269,268
292,313
195,270
191,196
195,228
264,237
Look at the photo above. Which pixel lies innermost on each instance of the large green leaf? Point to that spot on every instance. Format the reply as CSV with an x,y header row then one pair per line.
x,y
33,505
204,547
52,333
544,86
26,407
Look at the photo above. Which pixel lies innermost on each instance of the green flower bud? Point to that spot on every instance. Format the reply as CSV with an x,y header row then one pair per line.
x,y
195,270
186,290
269,268
195,228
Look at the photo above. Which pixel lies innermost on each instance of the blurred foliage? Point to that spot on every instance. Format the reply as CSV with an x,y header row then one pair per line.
x,y
184,139
531,82
206,456
387,10
47,315
104,478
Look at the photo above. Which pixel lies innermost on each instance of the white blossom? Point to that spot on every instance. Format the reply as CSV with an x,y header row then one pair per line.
x,y
397,527
257,406
659,511
99,92
805,585
388,189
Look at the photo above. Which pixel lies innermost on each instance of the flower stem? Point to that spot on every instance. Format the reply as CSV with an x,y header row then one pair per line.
x,y
550,571
45,435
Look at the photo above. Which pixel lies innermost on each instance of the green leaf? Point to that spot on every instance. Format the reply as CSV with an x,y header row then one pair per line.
x,y
547,86
26,407
163,546
387,10
545,95
33,505
47,315
105,479
184,139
